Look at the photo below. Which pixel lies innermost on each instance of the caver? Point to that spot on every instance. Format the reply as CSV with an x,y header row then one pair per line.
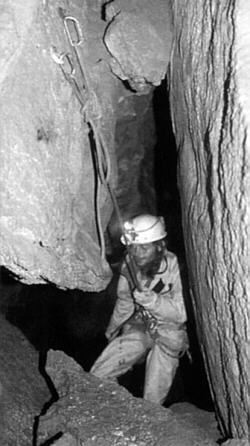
x,y
149,317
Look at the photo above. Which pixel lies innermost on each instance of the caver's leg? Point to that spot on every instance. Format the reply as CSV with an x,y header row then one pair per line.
x,y
121,354
160,372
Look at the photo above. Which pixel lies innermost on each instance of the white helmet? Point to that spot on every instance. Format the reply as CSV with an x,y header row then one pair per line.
x,y
145,228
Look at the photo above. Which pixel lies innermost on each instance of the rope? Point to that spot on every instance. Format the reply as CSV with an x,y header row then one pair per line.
x,y
81,97
102,158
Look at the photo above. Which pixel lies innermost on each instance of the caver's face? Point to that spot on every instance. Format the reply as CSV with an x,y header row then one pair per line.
x,y
143,254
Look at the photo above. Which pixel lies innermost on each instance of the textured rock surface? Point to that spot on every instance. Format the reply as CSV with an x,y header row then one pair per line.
x,y
242,442
48,229
97,413
23,391
135,137
210,107
53,213
139,39
206,420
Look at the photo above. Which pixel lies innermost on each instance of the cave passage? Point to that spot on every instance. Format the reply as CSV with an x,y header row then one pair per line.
x,y
75,321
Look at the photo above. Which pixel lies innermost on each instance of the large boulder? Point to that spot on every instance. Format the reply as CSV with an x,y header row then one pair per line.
x,y
210,109
59,148
139,39
48,228
95,412
23,391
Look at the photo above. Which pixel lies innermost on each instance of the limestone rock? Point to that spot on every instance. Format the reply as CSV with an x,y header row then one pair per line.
x,y
47,225
102,413
23,391
54,210
235,442
210,109
139,39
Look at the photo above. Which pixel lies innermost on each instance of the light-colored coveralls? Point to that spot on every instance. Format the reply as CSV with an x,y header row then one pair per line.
x,y
156,329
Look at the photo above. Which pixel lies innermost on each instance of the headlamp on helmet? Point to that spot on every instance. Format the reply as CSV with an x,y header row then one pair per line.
x,y
142,229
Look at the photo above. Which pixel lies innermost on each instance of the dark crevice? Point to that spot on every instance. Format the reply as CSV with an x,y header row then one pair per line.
x,y
209,177
49,403
51,440
165,170
191,381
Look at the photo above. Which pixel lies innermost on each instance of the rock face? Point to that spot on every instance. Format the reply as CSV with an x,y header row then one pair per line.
x,y
139,38
23,391
65,134
59,144
92,412
47,174
210,109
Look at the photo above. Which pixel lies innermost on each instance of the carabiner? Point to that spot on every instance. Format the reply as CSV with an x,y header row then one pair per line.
x,y
60,58
72,69
77,28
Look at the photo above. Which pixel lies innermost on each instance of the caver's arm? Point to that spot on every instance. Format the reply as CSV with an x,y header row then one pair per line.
x,y
168,305
124,308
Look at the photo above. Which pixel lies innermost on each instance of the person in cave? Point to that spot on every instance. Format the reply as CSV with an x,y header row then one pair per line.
x,y
149,317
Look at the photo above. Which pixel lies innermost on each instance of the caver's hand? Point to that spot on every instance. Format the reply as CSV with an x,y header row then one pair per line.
x,y
145,296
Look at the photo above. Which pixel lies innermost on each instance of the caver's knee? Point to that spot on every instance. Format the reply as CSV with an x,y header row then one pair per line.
x,y
173,346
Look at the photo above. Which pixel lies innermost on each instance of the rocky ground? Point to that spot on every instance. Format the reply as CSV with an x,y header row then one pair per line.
x,y
51,399
92,412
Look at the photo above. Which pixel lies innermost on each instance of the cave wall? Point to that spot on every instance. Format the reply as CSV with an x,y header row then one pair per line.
x,y
47,216
53,209
209,94
23,390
